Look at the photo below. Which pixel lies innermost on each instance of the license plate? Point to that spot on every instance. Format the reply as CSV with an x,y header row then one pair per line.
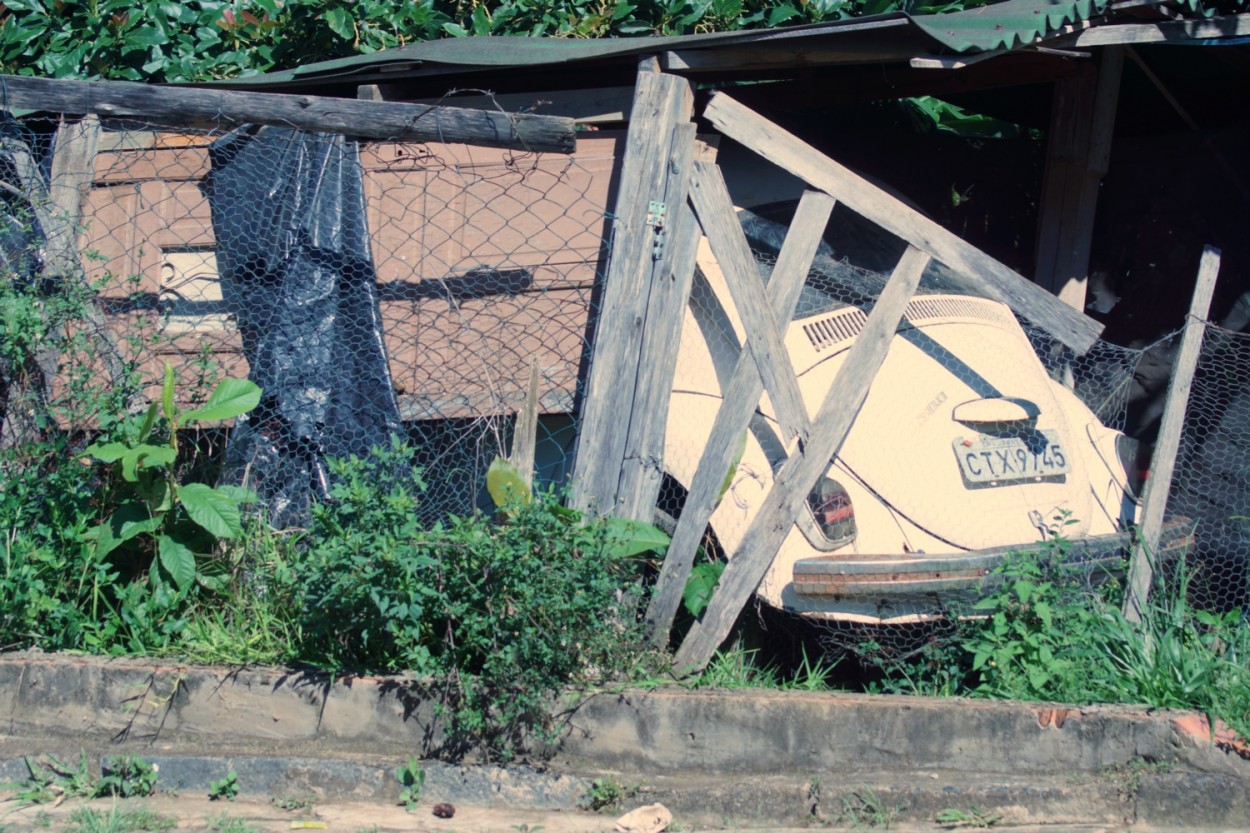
x,y
1003,460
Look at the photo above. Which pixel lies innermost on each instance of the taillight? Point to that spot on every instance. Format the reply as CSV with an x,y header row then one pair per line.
x,y
831,508
1136,464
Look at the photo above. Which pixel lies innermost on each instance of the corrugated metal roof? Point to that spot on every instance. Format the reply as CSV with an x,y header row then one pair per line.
x,y
1006,25
894,36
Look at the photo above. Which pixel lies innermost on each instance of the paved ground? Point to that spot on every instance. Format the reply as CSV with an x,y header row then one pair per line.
x,y
717,760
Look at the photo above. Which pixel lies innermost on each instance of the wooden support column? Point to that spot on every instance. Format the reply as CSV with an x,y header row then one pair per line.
x,y
1078,151
1163,464
654,239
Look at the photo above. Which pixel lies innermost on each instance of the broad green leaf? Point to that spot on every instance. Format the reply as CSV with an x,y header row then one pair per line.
x,y
177,561
149,421
566,513
215,511
107,453
127,521
699,587
145,456
780,14
340,23
239,494
216,583
506,485
146,36
481,21
626,538
231,398
167,392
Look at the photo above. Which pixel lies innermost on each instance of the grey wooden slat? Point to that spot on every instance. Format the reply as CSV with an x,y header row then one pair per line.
x,y
1228,26
642,468
729,244
800,472
661,101
790,153
525,431
186,106
1163,463
739,401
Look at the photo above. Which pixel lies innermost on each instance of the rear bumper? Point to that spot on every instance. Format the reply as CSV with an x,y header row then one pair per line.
x,y
886,578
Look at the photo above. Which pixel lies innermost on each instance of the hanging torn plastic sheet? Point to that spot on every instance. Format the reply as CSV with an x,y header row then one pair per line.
x,y
293,254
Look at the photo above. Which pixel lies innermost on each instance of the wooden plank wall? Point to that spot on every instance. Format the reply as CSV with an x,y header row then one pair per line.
x,y
486,259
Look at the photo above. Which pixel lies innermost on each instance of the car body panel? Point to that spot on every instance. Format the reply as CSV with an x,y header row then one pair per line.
x,y
954,356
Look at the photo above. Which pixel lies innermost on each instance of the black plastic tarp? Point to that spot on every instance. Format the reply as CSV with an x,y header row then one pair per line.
x,y
293,256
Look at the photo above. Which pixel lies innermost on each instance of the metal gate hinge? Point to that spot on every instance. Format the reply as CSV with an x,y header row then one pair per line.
x,y
657,218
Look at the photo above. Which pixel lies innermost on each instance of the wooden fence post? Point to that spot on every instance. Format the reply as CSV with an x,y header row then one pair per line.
x,y
1163,463
619,461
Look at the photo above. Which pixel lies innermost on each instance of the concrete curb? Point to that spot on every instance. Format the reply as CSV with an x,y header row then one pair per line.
x,y
750,757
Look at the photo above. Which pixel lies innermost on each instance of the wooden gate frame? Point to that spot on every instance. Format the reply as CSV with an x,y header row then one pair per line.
x,y
620,452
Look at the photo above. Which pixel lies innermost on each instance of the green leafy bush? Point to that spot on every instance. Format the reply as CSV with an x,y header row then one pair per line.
x,y
1049,637
499,614
173,526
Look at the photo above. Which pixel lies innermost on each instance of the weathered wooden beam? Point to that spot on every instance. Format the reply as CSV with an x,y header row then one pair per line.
x,y
192,106
977,268
803,468
739,399
1078,151
525,430
1069,278
668,293
640,222
1229,26
57,207
1163,462
764,341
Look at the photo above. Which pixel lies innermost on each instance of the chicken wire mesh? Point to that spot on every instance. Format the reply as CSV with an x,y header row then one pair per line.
x,y
371,289
1212,481
381,289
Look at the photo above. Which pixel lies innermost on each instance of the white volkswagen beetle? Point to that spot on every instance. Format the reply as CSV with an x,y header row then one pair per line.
x,y
965,452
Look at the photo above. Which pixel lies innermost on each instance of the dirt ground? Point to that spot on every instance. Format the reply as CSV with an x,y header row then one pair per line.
x,y
257,815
